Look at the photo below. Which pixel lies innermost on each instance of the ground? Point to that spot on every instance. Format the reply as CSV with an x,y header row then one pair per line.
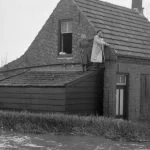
x,y
60,142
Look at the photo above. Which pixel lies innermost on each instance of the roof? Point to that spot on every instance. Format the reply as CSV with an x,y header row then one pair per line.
x,y
4,75
126,30
39,78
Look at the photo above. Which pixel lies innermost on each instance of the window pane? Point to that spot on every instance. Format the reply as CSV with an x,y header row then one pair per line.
x,y
121,79
69,27
63,27
67,43
121,101
117,101
66,27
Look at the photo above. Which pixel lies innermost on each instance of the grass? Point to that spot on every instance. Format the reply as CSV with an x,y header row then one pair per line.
x,y
72,124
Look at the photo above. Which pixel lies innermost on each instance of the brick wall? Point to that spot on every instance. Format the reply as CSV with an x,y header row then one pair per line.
x,y
109,88
44,49
134,88
134,69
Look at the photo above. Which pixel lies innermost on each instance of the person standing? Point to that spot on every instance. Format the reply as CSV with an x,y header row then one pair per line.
x,y
97,55
85,51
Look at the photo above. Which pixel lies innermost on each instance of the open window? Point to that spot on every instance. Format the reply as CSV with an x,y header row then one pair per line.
x,y
65,37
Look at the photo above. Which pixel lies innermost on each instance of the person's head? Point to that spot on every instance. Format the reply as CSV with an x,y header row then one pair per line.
x,y
100,33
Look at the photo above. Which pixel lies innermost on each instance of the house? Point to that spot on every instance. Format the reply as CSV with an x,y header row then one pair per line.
x,y
49,76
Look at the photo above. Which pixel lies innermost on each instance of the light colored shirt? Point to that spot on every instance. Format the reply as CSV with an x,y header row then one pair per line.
x,y
97,49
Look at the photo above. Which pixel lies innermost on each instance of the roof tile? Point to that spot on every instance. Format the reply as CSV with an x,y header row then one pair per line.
x,y
38,78
123,28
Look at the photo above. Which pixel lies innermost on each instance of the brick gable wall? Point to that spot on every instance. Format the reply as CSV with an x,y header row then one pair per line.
x,y
44,49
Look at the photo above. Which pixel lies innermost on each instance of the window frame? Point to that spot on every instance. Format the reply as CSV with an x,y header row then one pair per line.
x,y
60,38
125,87
122,83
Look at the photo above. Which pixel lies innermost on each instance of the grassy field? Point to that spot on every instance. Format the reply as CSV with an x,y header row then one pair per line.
x,y
75,125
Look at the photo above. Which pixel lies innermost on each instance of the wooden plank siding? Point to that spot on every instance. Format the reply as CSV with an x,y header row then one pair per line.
x,y
85,96
145,97
33,99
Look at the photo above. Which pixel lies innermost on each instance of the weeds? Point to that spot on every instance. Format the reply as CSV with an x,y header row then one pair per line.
x,y
73,124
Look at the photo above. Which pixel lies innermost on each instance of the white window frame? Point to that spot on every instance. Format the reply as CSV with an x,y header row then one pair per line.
x,y
65,30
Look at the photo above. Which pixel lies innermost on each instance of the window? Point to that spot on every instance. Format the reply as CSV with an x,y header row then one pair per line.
x,y
119,101
121,96
66,37
121,79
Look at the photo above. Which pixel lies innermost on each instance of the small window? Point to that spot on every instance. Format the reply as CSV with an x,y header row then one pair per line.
x,y
121,79
65,37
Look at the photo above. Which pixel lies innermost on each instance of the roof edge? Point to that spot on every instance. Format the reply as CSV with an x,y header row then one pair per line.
x,y
87,74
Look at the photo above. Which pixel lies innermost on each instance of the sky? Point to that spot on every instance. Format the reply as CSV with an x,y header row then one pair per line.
x,y
21,20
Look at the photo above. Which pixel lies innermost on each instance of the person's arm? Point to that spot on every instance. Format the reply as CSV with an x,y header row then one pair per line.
x,y
100,40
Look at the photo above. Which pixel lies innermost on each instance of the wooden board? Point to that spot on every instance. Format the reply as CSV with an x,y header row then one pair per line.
x,y
32,96
38,99
51,108
86,95
31,90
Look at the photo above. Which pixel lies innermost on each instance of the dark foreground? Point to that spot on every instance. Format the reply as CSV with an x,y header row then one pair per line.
x,y
52,142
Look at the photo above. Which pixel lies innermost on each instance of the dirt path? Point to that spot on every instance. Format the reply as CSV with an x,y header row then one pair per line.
x,y
52,142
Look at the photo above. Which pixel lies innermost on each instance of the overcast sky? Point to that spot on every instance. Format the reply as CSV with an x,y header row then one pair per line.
x,y
21,20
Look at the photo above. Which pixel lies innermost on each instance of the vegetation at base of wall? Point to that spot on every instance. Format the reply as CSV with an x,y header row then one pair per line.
x,y
73,124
